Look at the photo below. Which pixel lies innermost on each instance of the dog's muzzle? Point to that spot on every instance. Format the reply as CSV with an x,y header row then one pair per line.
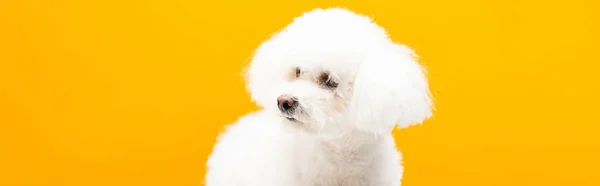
x,y
287,104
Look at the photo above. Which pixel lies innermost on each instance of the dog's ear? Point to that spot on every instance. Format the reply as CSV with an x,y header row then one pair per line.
x,y
390,89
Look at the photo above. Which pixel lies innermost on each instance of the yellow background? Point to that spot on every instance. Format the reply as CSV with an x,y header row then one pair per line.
x,y
134,92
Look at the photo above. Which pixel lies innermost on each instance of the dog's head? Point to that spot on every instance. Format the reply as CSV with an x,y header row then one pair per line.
x,y
332,70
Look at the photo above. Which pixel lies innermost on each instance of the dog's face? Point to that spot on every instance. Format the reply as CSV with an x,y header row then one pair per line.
x,y
313,97
333,70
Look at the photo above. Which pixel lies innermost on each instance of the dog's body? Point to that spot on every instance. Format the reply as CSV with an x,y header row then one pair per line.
x,y
333,86
257,151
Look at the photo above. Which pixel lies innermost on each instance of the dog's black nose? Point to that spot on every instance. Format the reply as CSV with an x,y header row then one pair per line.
x,y
286,103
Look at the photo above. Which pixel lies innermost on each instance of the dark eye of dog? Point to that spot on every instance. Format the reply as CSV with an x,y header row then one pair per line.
x,y
298,71
326,80
331,84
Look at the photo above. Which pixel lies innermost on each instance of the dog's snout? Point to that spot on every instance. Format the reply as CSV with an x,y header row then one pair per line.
x,y
286,103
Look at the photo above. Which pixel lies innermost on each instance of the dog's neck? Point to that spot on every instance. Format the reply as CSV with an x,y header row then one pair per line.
x,y
322,160
347,143
350,137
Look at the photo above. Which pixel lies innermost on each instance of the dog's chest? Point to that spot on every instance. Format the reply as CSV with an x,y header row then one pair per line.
x,y
340,162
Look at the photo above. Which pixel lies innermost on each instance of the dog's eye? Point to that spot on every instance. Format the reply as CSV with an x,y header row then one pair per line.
x,y
331,84
326,80
298,72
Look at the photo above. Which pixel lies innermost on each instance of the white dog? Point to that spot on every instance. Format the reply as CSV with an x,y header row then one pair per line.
x,y
332,86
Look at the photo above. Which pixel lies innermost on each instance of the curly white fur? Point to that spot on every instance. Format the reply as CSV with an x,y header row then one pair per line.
x,y
353,85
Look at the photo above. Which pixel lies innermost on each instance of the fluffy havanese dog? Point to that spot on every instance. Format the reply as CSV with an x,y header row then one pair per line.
x,y
332,86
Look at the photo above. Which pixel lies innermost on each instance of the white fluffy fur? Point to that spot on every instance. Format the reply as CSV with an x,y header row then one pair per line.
x,y
339,136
